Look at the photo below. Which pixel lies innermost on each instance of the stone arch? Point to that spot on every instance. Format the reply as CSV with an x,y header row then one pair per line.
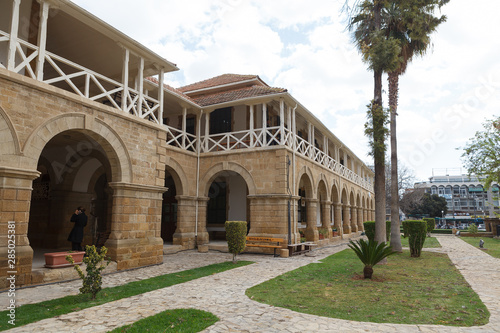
x,y
306,171
10,141
213,172
322,187
98,130
335,195
178,175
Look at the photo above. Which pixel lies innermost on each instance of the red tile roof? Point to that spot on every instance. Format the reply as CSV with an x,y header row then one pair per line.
x,y
232,95
170,88
217,81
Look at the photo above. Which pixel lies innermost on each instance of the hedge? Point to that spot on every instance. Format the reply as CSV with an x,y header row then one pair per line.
x,y
370,229
417,231
442,231
236,232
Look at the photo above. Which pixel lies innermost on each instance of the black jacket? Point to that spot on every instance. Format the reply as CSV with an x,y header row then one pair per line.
x,y
76,234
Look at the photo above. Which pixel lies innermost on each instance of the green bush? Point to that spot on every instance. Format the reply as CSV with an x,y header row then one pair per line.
x,y
472,229
417,231
431,224
92,282
370,253
236,232
442,231
370,229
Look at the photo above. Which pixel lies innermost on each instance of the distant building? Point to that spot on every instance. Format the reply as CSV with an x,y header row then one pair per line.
x,y
464,194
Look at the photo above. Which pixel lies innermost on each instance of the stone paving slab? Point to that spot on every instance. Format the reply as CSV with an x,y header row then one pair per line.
x,y
223,294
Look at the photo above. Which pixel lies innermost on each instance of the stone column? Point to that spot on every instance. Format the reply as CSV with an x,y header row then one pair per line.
x,y
135,238
326,206
346,219
354,219
15,199
360,219
186,222
203,237
337,218
311,230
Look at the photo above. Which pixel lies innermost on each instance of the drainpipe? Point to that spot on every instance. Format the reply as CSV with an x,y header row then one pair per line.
x,y
198,148
294,148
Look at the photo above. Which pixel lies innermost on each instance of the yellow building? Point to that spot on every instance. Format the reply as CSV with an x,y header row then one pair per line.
x,y
86,119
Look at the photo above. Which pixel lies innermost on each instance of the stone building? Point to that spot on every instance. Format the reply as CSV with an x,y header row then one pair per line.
x,y
86,119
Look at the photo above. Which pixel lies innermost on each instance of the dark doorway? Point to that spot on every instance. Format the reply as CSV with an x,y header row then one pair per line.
x,y
169,211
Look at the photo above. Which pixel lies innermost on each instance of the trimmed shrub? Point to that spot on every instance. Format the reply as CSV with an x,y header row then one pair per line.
x,y
431,224
388,230
236,232
417,231
405,228
369,229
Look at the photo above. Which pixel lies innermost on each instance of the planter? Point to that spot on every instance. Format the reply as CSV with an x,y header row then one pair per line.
x,y
58,259
335,233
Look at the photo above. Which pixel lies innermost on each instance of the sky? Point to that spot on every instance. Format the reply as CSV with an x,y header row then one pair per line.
x,y
303,46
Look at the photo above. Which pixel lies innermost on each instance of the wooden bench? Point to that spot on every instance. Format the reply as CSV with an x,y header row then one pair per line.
x,y
265,242
299,248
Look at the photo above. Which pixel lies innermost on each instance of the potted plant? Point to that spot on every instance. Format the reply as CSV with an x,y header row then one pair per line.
x,y
302,236
335,233
323,233
58,259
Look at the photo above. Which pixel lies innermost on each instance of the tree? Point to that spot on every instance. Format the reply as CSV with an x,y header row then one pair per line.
x,y
370,253
410,22
411,200
431,206
381,54
406,179
482,154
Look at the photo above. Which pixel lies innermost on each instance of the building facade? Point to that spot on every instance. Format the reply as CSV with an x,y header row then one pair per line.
x,y
86,119
465,195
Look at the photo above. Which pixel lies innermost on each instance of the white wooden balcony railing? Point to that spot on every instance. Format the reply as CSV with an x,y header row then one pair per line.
x,y
65,74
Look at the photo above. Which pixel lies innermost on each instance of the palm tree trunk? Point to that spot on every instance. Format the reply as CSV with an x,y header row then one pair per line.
x,y
393,104
378,139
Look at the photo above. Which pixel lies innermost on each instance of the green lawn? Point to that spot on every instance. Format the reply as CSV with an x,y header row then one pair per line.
x,y
425,290
30,313
179,320
491,245
429,242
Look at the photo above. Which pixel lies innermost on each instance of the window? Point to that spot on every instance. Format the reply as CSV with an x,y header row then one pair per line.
x,y
190,125
434,190
221,121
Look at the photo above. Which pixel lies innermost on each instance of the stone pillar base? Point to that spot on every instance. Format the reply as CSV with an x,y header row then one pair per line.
x,y
136,252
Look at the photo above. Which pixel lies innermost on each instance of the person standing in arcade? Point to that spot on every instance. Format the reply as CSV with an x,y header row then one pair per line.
x,y
76,234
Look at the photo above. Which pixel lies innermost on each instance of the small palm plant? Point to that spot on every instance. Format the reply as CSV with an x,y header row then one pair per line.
x,y
370,253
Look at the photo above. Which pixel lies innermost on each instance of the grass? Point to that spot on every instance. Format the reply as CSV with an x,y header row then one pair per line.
x,y
425,290
430,242
491,245
30,313
178,320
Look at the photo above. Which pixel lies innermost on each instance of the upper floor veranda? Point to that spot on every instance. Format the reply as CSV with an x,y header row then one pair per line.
x,y
58,43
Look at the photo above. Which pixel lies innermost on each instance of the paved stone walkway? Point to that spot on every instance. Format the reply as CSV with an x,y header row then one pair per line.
x,y
224,295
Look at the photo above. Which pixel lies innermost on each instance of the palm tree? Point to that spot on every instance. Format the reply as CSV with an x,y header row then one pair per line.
x,y
380,53
411,22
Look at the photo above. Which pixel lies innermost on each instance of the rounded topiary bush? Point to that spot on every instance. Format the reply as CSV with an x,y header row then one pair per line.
x,y
236,232
417,231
